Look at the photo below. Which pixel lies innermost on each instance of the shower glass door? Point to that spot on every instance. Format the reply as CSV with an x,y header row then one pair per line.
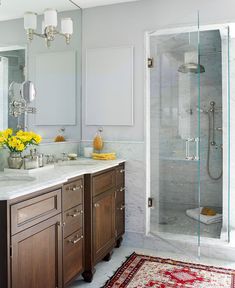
x,y
189,135
214,131
175,136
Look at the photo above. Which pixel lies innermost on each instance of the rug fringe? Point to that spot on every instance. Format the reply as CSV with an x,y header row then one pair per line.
x,y
114,272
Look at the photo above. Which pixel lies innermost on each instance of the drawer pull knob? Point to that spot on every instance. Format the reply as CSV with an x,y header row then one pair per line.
x,y
122,189
122,208
97,205
75,214
75,188
76,240
122,170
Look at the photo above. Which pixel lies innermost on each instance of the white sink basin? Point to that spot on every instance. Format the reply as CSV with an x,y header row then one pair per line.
x,y
79,162
14,180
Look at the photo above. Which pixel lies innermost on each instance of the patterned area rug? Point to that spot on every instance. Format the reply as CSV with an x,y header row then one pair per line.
x,y
140,271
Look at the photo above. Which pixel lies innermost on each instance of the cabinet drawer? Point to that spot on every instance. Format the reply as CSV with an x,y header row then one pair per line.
x,y
30,212
103,182
73,220
73,256
72,194
120,175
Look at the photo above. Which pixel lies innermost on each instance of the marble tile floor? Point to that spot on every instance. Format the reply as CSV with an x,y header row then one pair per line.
x,y
104,270
175,220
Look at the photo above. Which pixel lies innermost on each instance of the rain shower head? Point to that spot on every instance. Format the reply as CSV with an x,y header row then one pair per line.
x,y
191,68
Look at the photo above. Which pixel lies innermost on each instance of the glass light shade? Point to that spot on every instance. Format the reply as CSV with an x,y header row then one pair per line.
x,y
50,17
43,27
67,26
30,20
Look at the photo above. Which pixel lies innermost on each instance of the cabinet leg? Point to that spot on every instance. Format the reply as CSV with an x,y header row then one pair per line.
x,y
119,242
88,275
108,256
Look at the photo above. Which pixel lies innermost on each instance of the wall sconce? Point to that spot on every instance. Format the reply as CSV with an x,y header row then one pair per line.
x,y
48,26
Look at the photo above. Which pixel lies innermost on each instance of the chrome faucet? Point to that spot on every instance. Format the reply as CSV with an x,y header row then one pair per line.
x,y
50,159
64,156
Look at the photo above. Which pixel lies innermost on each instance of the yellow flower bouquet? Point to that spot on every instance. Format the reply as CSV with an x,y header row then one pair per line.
x,y
19,141
16,143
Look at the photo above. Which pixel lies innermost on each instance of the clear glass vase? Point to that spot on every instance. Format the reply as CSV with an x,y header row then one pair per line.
x,y
15,160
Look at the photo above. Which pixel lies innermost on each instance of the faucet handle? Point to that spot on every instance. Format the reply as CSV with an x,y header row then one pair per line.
x,y
64,156
53,158
47,156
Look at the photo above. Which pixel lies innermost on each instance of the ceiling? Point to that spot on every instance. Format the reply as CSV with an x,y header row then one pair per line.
x,y
12,9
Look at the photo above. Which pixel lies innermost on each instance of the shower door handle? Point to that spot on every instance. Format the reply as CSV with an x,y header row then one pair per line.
x,y
197,141
187,146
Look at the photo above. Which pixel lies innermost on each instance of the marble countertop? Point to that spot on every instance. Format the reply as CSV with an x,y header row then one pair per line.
x,y
61,173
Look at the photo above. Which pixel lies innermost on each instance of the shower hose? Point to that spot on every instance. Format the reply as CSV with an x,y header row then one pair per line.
x,y
209,153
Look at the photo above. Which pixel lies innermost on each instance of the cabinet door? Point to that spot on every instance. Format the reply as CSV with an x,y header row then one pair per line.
x,y
103,224
36,256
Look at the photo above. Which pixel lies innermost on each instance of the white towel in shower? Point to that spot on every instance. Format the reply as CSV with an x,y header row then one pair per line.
x,y
194,213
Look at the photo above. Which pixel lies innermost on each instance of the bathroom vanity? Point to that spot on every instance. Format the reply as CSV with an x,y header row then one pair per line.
x,y
104,219
50,236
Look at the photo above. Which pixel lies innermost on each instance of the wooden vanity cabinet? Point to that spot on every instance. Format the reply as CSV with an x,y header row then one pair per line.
x,y
41,243
50,237
103,228
36,241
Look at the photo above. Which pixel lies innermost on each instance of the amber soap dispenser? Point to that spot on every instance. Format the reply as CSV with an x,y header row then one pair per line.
x,y
98,142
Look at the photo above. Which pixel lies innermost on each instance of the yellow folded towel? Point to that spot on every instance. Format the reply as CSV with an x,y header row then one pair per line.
x,y
208,211
104,156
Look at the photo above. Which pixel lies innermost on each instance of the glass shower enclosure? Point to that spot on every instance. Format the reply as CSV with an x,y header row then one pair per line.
x,y
188,133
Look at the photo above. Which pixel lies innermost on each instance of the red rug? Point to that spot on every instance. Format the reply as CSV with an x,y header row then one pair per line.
x,y
140,271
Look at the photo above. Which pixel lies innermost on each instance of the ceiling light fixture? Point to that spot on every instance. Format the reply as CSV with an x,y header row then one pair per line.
x,y
49,25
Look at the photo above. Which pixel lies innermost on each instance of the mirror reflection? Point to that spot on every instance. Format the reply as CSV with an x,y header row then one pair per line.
x,y
12,75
